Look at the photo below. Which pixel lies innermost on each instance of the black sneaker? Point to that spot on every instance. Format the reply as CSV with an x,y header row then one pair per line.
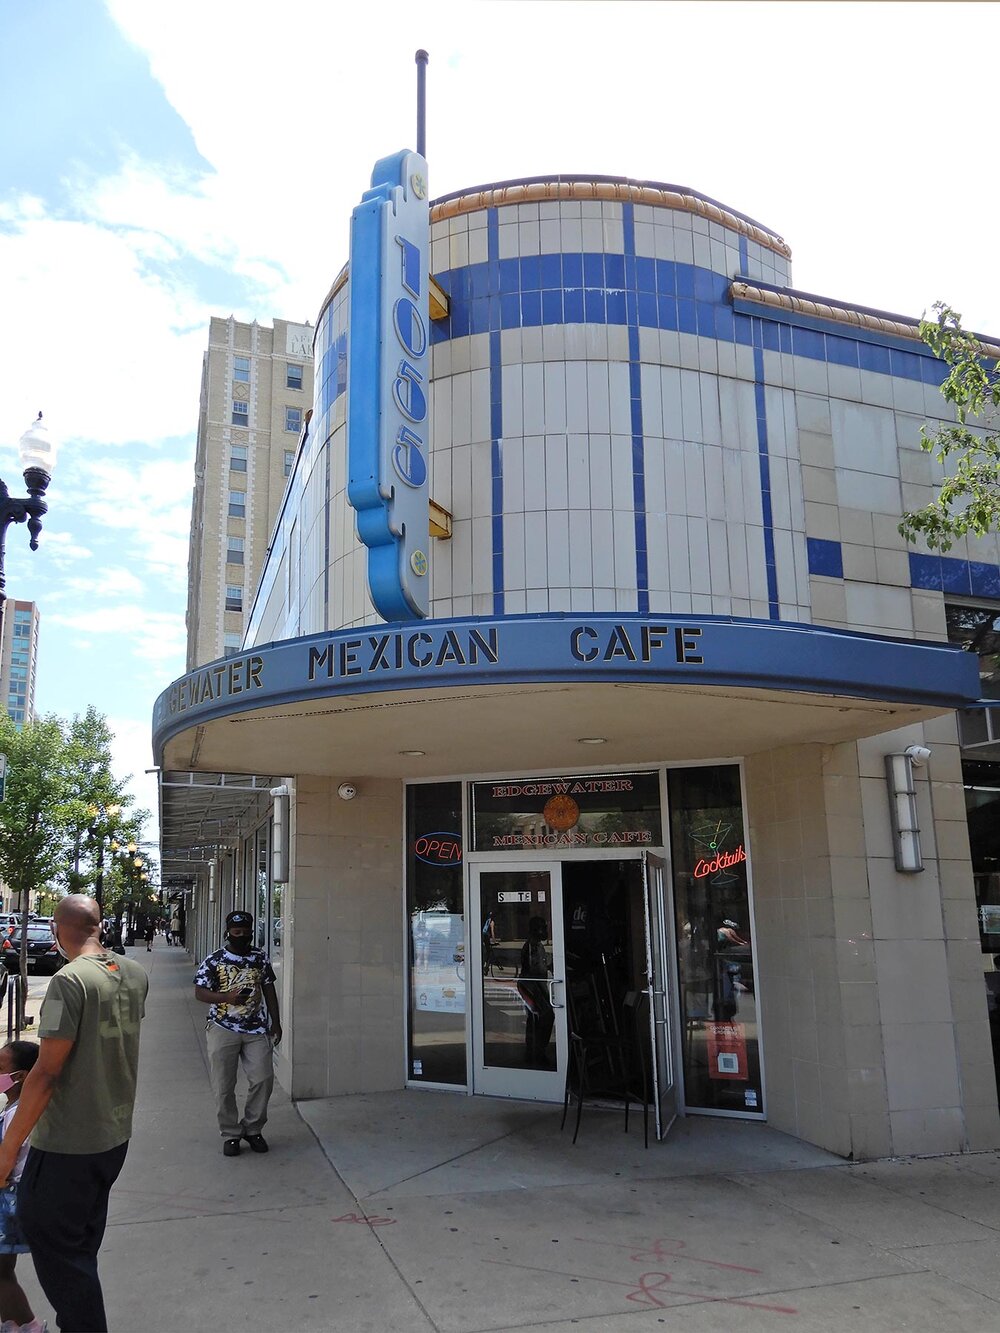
x,y
230,1147
257,1142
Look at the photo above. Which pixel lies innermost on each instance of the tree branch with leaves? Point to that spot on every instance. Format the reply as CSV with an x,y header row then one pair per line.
x,y
968,500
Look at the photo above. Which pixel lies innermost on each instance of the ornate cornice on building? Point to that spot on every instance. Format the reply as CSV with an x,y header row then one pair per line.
x,y
896,326
612,190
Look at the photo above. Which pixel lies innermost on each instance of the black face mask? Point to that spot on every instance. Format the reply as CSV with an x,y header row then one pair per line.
x,y
238,943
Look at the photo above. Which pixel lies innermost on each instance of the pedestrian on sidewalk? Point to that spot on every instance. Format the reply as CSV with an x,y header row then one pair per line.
x,y
77,1104
17,1059
149,934
243,1028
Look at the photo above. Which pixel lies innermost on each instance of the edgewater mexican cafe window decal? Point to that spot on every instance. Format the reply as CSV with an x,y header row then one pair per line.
x,y
604,810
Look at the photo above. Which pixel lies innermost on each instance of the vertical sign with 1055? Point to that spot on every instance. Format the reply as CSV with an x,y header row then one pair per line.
x,y
387,384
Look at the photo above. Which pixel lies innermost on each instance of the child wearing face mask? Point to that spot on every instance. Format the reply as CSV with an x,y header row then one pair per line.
x,y
16,1059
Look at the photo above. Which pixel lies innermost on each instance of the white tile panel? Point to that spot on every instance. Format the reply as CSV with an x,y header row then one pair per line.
x,y
535,553
581,569
577,419
511,401
652,402
674,483
556,472
864,438
718,558
557,536
618,389
513,550
691,406
715,487
578,468
600,471
624,539
461,558
554,381
622,489
670,399
533,398
598,396
711,423
860,490
480,406
694,481
645,239
534,473
461,481
461,408
512,463
603,554
872,607
701,577
678,554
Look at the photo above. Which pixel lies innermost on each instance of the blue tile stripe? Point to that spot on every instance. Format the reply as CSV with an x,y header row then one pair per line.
x,y
635,408
770,560
496,404
598,288
964,578
932,573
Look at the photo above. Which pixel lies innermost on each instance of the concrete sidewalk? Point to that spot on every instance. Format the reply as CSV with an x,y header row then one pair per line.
x,y
432,1211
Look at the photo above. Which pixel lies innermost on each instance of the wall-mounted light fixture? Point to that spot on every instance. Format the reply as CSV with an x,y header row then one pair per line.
x,y
279,835
903,807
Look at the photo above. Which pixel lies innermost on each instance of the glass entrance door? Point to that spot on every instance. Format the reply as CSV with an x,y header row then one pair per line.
x,y
658,992
518,982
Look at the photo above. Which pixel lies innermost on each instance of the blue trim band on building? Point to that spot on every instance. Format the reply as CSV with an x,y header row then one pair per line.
x,y
635,411
579,649
767,516
496,408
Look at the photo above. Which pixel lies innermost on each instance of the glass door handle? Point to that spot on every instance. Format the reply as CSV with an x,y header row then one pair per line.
x,y
555,981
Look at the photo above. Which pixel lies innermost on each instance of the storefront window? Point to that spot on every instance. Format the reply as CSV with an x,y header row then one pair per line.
x,y
262,882
977,630
436,915
718,1000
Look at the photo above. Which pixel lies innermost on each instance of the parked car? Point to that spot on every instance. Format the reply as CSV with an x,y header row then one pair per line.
x,y
43,956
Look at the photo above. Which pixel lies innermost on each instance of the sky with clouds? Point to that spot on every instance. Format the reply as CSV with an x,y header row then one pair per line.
x,y
164,163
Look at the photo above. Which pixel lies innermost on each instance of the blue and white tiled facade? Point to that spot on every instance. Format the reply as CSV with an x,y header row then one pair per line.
x,y
634,415
621,423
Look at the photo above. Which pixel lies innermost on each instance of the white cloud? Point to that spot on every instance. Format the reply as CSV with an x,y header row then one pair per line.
x,y
157,636
81,297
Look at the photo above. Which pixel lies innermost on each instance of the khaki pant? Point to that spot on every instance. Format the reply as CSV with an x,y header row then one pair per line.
x,y
226,1052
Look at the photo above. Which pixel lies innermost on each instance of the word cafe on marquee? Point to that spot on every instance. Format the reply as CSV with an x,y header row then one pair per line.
x,y
587,690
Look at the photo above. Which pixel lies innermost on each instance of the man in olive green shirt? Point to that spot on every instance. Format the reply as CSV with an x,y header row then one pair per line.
x,y
77,1105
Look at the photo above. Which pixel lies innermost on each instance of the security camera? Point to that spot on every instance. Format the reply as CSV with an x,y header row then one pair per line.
x,y
917,754
347,791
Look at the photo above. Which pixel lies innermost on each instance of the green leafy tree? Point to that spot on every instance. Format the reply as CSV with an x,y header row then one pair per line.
x,y
36,812
969,496
99,803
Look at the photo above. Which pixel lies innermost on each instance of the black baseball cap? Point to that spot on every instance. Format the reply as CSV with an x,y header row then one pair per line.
x,y
239,919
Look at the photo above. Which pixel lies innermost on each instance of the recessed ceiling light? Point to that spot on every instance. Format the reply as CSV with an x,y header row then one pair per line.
x,y
592,740
414,753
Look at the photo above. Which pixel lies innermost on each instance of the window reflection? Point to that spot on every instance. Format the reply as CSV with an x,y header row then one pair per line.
x,y
719,1020
436,907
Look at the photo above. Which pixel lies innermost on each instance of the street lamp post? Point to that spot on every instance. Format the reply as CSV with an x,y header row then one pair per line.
x,y
37,459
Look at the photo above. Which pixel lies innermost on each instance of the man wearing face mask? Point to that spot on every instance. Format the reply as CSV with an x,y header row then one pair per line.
x,y
243,1028
77,1105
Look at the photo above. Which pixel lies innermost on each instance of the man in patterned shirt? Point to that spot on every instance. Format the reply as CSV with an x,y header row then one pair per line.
x,y
243,1028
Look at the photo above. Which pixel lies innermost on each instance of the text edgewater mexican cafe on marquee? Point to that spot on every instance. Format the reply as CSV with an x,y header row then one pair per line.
x,y
408,651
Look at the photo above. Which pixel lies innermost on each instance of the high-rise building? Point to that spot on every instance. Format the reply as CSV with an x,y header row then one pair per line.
x,y
18,658
256,389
